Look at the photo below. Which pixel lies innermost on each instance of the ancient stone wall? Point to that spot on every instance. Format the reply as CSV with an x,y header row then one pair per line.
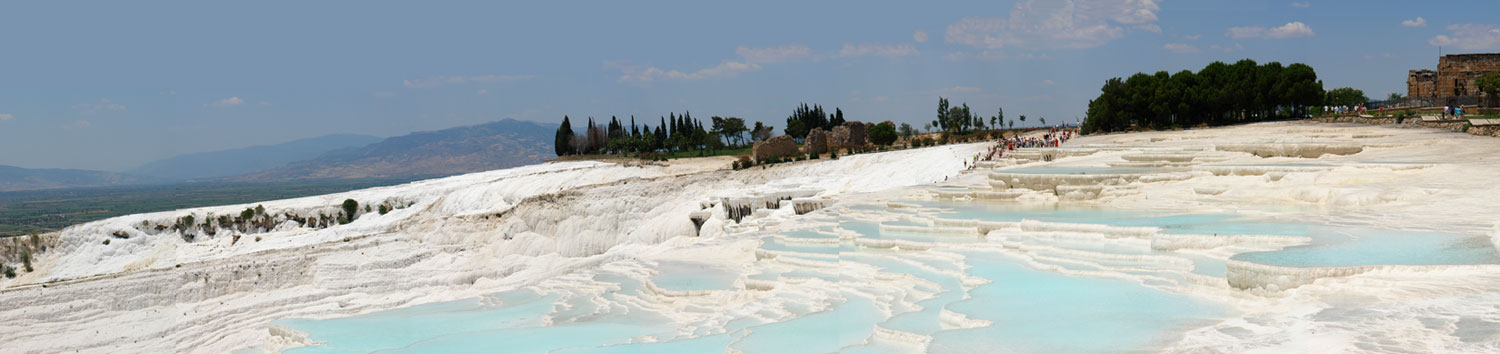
x,y
1454,76
1421,84
781,145
1456,73
850,134
816,142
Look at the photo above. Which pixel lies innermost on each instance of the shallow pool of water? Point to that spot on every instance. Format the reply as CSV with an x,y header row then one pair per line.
x,y
1039,312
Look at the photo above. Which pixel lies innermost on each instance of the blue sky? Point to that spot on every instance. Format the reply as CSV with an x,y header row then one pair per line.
x,y
110,85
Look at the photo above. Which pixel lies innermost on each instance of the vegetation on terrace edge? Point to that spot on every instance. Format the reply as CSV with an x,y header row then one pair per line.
x,y
25,212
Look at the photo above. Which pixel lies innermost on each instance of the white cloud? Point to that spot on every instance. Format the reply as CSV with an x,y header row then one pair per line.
x,y
991,55
920,36
1301,4
1067,24
227,102
1419,22
103,105
1236,47
78,124
752,58
1289,30
265,103
1192,37
1180,48
1469,37
6,116
1245,32
482,92
773,54
1048,82
725,69
437,81
879,50
384,94
960,89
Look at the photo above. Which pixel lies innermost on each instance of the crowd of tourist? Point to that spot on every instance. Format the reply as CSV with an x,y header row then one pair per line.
x,y
1453,112
1343,110
1055,136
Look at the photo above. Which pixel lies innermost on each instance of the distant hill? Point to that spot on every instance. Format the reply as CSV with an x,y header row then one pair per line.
x,y
22,179
234,162
503,144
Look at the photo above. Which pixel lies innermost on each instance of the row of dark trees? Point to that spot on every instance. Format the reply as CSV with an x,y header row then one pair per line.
x,y
1218,94
804,119
673,133
1345,96
960,119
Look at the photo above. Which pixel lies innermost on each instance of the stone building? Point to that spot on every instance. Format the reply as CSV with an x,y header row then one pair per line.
x,y
1454,76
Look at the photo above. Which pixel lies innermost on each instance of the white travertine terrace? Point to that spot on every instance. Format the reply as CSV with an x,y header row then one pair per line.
x,y
553,227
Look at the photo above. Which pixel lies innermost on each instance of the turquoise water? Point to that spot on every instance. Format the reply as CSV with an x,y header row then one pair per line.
x,y
394,329
1031,310
693,276
848,324
1039,312
1345,247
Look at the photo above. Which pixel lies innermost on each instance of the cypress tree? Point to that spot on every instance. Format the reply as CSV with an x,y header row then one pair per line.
x,y
564,139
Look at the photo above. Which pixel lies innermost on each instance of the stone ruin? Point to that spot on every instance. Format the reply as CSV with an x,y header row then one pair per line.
x,y
1454,76
816,142
850,134
781,145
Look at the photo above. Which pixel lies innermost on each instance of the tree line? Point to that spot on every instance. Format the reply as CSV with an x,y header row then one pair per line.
x,y
673,133
960,119
1218,94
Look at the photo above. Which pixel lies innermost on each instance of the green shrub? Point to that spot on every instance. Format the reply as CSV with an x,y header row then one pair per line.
x,y
9,272
350,207
26,259
1466,127
106,242
384,209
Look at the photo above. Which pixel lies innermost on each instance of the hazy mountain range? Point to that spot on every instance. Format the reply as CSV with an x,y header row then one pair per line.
x,y
240,161
503,144
19,179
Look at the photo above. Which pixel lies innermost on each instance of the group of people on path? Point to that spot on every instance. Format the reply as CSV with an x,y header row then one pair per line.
x,y
1453,111
1054,137
1342,110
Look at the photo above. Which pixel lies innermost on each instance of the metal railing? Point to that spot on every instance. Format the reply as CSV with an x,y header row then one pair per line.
x,y
1424,102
